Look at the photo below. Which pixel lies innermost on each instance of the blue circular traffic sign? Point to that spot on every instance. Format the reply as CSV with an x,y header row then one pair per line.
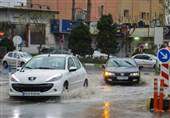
x,y
163,55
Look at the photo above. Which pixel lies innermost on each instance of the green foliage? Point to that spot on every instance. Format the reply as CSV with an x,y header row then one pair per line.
x,y
7,43
106,39
93,61
80,41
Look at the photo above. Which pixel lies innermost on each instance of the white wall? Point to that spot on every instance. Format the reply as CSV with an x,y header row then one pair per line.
x,y
12,3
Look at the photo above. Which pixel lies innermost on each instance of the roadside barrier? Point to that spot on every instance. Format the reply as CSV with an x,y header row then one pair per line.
x,y
156,96
161,101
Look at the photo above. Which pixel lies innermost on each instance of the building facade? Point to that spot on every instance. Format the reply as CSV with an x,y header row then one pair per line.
x,y
31,22
12,3
121,10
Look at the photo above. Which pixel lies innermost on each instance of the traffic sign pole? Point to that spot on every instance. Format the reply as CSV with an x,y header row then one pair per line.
x,y
17,40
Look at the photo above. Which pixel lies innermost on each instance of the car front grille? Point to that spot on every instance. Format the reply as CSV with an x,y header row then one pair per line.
x,y
32,87
122,74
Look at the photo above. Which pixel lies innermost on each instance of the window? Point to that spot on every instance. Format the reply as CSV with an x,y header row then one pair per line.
x,y
126,13
143,15
10,54
145,57
16,55
44,62
77,62
70,63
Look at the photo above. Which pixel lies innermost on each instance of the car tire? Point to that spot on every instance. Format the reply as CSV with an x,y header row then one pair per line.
x,y
86,83
5,64
65,92
137,82
154,67
140,67
22,63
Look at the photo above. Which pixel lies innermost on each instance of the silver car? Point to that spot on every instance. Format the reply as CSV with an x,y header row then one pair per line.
x,y
145,60
11,58
121,70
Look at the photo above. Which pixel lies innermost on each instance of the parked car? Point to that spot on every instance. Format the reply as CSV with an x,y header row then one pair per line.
x,y
11,58
121,70
54,51
145,60
98,54
48,75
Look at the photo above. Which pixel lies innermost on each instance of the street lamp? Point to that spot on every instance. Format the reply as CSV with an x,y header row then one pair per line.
x,y
136,38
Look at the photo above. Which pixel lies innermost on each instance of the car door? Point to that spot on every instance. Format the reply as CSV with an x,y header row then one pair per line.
x,y
15,59
148,61
9,58
80,72
71,75
139,60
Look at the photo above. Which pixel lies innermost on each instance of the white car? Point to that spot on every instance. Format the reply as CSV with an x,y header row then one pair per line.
x,y
11,58
98,54
48,75
145,60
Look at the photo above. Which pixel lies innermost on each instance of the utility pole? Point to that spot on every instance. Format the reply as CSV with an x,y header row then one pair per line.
x,y
73,10
150,17
88,10
132,11
150,11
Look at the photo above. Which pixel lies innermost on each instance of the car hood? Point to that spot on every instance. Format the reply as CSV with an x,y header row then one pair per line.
x,y
26,59
122,69
41,75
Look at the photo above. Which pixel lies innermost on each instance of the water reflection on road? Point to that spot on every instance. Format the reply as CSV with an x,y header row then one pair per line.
x,y
106,110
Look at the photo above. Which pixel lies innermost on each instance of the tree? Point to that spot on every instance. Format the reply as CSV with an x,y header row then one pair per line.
x,y
106,39
80,40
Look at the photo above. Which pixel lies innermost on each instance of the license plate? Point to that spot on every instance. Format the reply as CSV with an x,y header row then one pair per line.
x,y
122,78
30,93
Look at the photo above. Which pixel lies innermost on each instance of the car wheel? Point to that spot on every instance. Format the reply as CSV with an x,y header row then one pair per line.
x,y
22,63
5,64
65,92
154,67
86,83
137,82
140,67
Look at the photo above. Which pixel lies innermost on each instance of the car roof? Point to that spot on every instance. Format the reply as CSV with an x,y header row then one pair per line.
x,y
124,58
15,51
57,55
145,54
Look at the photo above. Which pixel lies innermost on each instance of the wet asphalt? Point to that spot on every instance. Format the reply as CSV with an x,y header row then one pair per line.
x,y
99,100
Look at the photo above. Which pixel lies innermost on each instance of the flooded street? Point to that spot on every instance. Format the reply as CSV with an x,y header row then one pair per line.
x,y
98,101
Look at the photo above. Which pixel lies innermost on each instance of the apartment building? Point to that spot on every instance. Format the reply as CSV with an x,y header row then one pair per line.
x,y
121,10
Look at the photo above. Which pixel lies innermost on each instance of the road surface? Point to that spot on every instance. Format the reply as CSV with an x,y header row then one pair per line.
x,y
98,101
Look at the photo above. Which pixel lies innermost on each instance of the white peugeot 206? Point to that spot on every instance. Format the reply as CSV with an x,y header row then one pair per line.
x,y
48,75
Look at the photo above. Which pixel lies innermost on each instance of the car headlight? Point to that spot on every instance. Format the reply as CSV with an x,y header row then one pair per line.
x,y
13,79
55,78
134,74
106,74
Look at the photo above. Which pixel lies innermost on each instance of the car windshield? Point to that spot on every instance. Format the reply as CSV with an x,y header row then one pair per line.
x,y
121,63
46,62
26,55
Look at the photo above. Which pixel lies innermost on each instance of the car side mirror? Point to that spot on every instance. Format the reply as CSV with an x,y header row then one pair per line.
x,y
71,69
18,69
140,67
150,59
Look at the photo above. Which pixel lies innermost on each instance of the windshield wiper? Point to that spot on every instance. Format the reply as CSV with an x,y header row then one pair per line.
x,y
28,67
44,68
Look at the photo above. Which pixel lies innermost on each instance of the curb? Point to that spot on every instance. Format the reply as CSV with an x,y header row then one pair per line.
x,y
89,64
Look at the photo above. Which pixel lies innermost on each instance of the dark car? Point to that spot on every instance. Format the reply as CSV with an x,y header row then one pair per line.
x,y
121,70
